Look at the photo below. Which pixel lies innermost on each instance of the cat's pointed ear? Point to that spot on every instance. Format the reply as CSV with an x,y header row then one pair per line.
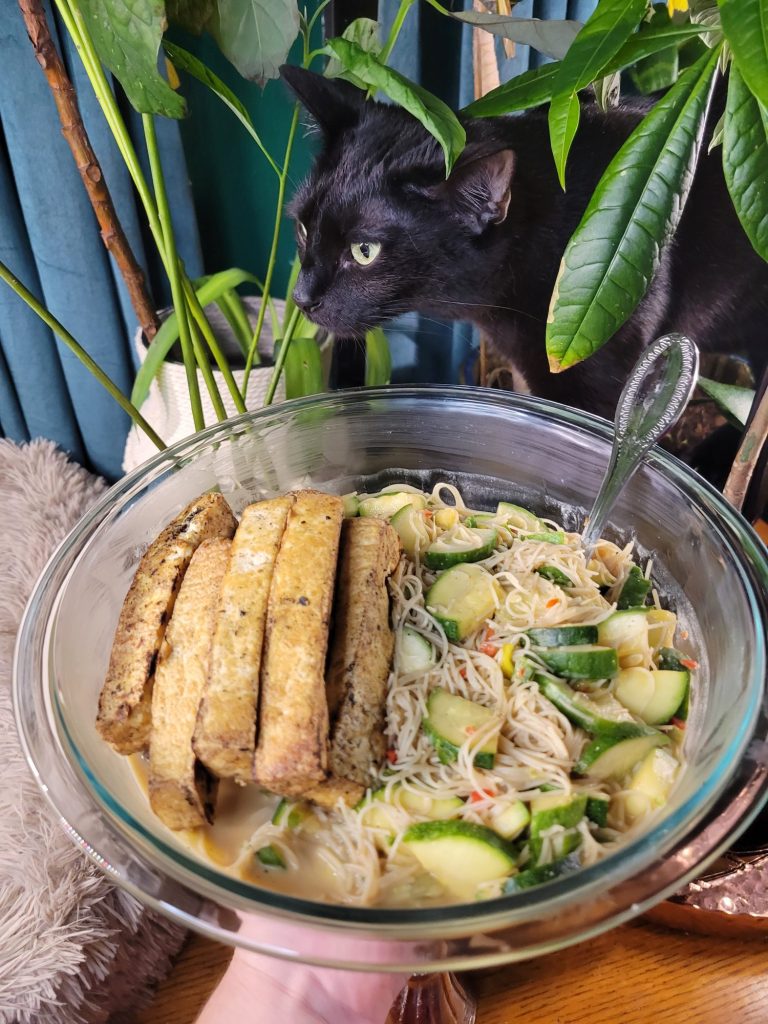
x,y
481,188
332,102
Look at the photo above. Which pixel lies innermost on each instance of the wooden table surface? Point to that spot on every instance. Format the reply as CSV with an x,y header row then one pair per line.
x,y
640,973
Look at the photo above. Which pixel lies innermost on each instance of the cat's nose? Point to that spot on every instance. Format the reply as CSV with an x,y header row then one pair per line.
x,y
306,298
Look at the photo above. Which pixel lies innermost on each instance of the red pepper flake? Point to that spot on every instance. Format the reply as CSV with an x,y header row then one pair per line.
x,y
552,602
689,663
479,795
490,649
392,756
488,633
470,730
427,513
463,673
678,723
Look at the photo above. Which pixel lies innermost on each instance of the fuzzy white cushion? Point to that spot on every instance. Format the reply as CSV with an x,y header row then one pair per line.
x,y
73,949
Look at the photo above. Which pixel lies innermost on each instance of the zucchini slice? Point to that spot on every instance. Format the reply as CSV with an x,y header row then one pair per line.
x,y
451,720
597,808
651,783
462,598
409,525
460,854
511,820
414,652
542,873
519,517
661,627
654,696
456,547
610,758
557,809
634,592
627,631
561,844
589,714
581,661
385,505
554,575
351,504
546,536
563,636
271,857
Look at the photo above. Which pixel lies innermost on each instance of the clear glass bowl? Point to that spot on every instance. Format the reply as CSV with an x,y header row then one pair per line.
x,y
492,444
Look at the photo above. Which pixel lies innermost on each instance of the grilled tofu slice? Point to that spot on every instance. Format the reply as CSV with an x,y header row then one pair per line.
x,y
181,792
292,745
124,705
225,734
360,658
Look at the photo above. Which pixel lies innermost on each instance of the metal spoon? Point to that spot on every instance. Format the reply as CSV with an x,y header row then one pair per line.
x,y
654,397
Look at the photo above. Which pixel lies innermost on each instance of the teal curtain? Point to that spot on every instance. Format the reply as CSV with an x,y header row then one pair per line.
x,y
49,237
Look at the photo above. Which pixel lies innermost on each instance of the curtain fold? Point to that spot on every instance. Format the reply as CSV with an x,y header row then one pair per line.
x,y
50,238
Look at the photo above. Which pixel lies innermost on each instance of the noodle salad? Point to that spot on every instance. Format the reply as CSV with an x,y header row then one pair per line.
x,y
535,713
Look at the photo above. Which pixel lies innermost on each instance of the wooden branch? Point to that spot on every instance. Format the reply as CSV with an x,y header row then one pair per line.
x,y
74,132
748,458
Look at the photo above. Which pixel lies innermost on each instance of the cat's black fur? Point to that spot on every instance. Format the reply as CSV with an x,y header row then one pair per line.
x,y
486,244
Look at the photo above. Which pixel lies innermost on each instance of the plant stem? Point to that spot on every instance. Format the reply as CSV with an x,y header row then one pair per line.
x,y
168,248
273,250
210,338
205,365
281,356
394,32
75,347
311,23
87,163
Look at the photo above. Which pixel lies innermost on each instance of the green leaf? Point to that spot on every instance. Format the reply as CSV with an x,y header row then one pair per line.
x,y
293,277
608,91
365,33
734,401
614,252
437,118
660,70
126,35
378,359
211,289
233,310
256,35
601,38
192,65
535,87
303,370
552,38
745,160
193,16
745,23
717,134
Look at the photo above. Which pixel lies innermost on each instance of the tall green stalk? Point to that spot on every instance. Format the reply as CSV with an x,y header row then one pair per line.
x,y
282,354
394,32
74,346
168,247
200,319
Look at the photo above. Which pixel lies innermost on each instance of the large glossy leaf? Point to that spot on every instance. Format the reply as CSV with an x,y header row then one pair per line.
x,y
256,35
745,23
549,37
745,160
210,290
614,252
601,38
127,34
734,401
378,359
661,70
194,16
193,66
535,87
365,33
436,117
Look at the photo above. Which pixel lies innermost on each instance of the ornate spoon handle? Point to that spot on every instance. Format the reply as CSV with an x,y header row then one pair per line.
x,y
433,999
655,395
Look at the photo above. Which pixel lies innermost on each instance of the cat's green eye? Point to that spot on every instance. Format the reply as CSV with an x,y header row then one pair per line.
x,y
365,253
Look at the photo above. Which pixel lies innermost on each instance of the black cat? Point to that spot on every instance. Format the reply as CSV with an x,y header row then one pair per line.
x,y
381,232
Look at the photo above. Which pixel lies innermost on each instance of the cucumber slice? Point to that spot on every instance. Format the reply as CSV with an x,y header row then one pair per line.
x,y
597,808
554,575
581,661
627,631
589,714
384,506
432,807
563,636
556,809
542,873
446,518
351,505
546,536
379,810
462,598
561,845
510,820
410,527
634,687
451,720
414,652
671,692
295,815
481,519
518,516
661,627
271,857
671,660
609,758
460,854
651,783
635,591
454,548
